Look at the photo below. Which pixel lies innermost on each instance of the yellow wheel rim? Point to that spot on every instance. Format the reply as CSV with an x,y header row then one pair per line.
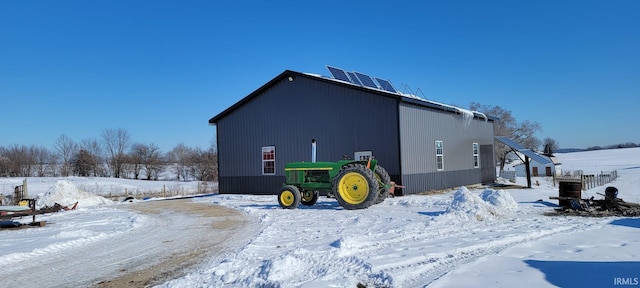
x,y
307,196
287,198
353,187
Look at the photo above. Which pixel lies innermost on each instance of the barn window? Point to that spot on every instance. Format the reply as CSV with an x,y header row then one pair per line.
x,y
476,152
269,160
439,155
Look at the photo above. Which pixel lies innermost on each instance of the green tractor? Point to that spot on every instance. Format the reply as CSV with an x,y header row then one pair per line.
x,y
355,184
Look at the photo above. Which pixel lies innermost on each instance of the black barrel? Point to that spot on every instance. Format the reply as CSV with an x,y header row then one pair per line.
x,y
571,189
611,193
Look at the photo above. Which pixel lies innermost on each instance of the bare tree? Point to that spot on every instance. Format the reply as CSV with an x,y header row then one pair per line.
x,y
507,126
152,161
550,145
66,148
203,164
9,159
180,158
128,168
46,162
94,156
82,163
147,157
17,160
136,157
28,165
116,142
5,163
532,143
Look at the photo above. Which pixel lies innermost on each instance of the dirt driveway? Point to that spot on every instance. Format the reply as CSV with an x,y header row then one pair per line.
x,y
194,243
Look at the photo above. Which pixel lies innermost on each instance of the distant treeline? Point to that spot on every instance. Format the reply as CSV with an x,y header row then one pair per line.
x,y
617,146
113,156
593,148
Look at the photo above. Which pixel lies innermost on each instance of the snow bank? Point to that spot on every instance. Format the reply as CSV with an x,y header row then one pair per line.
x,y
500,199
505,181
489,204
66,193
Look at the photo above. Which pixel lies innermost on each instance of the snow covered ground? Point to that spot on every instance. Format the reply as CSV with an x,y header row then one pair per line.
x,y
462,238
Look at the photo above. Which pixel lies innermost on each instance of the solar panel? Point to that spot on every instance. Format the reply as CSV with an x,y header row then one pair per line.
x,y
338,73
386,85
510,143
354,79
519,148
366,80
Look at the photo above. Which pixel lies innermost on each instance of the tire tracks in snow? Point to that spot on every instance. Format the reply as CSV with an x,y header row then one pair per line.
x,y
413,260
352,249
435,265
214,226
166,238
432,254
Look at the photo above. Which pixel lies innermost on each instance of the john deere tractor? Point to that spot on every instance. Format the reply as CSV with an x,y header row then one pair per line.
x,y
355,184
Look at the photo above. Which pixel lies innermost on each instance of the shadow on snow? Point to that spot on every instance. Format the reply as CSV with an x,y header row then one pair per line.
x,y
629,222
541,203
433,214
275,205
588,274
629,168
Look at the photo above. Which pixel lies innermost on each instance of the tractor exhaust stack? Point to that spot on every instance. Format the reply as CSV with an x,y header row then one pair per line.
x,y
313,150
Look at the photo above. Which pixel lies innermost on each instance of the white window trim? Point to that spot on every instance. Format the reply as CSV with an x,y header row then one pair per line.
x,y
475,149
441,155
267,149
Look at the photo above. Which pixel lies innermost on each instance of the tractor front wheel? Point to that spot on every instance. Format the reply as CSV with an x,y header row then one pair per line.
x,y
309,198
289,197
384,183
355,187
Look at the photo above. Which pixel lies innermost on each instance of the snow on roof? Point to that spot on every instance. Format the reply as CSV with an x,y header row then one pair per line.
x,y
468,115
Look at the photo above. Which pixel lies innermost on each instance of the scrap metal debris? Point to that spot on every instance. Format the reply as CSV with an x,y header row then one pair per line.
x,y
611,205
56,208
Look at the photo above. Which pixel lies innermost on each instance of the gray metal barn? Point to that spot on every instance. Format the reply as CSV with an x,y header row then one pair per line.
x,y
423,145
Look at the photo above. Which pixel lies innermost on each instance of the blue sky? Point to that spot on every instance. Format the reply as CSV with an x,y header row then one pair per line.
x,y
162,69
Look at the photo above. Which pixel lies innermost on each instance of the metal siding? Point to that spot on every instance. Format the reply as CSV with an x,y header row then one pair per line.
x,y
417,183
420,127
288,115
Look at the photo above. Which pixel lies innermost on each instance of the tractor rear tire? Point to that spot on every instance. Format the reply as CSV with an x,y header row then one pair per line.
x,y
309,197
355,187
289,197
384,183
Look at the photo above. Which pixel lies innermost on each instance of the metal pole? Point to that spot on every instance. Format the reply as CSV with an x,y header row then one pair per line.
x,y
526,161
25,191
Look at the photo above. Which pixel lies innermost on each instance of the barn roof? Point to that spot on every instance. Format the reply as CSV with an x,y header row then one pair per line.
x,y
409,98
